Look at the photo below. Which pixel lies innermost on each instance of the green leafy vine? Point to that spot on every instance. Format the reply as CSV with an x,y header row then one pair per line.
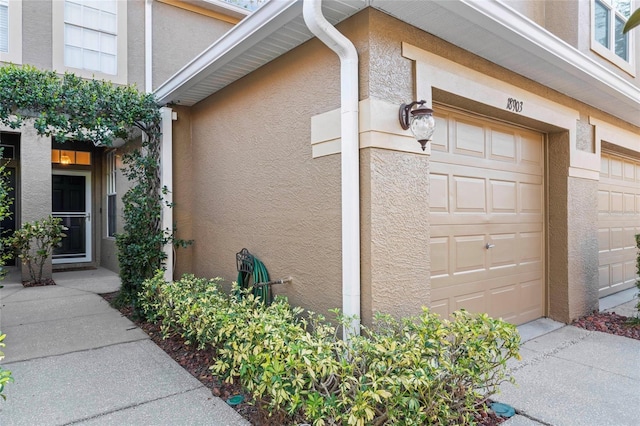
x,y
68,107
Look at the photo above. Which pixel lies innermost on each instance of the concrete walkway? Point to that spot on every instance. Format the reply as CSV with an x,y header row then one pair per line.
x,y
76,360
569,376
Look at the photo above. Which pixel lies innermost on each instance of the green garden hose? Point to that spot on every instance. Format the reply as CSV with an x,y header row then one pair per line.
x,y
260,275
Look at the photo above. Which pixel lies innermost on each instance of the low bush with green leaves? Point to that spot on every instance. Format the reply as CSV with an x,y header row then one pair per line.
x,y
5,375
34,243
419,370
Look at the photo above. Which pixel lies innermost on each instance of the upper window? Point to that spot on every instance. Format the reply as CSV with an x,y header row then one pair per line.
x,y
90,35
11,31
90,38
4,26
609,17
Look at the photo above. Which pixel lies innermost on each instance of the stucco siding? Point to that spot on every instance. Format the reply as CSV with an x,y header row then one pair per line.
x,y
256,185
395,211
178,37
183,194
37,24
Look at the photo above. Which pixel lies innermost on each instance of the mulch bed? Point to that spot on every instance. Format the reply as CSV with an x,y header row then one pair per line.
x,y
46,281
197,363
612,323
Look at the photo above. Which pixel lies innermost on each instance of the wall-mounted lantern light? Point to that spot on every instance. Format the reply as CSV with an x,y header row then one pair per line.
x,y
420,122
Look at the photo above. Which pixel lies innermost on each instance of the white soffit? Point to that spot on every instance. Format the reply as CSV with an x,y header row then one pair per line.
x,y
487,28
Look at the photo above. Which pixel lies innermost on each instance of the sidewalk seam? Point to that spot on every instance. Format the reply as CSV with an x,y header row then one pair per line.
x,y
106,413
544,355
81,350
533,418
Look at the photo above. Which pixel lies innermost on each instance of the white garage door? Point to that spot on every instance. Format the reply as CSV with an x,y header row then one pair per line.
x,y
487,238
618,222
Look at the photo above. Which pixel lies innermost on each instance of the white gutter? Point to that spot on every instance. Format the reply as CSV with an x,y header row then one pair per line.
x,y
346,51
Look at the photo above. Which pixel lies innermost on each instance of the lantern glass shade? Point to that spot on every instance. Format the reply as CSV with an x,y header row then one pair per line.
x,y
422,125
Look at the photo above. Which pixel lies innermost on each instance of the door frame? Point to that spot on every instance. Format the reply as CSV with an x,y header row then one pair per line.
x,y
88,223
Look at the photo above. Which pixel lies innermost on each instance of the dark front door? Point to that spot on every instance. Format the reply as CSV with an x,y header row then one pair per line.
x,y
71,202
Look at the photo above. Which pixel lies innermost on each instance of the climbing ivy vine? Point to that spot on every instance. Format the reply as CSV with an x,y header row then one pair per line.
x,y
68,107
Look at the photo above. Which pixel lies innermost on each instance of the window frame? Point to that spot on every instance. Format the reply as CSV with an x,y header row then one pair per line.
x,y
111,198
14,55
608,53
58,41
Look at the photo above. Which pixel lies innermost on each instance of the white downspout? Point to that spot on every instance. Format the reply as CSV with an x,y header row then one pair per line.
x,y
166,181
350,148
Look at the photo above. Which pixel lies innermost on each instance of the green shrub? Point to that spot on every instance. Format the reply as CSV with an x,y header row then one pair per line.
x,y
5,375
420,370
638,272
34,243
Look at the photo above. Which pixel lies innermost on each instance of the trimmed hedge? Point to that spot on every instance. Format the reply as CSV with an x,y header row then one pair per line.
x,y
420,370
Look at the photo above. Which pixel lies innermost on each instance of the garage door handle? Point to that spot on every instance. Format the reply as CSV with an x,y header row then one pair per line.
x,y
488,246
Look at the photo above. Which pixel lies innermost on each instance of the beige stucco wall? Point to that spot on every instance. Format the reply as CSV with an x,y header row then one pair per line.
x,y
183,194
256,185
35,182
395,232
179,36
37,24
572,241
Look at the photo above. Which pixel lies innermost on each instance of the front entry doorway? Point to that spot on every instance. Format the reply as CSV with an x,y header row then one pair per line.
x,y
71,202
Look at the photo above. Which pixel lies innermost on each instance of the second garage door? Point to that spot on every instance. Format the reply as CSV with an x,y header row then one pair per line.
x,y
487,218
618,222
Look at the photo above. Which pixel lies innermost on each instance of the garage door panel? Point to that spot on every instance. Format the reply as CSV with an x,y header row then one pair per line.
x,y
505,251
604,240
439,193
503,146
531,196
439,256
531,245
466,257
504,196
604,206
469,139
629,171
618,222
473,302
531,150
469,194
504,302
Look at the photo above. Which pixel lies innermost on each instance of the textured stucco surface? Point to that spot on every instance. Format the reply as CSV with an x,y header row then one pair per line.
x,y
256,185
532,9
183,193
573,243
178,37
37,49
135,44
583,246
395,210
35,182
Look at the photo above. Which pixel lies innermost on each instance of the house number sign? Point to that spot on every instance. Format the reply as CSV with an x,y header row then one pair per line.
x,y
514,105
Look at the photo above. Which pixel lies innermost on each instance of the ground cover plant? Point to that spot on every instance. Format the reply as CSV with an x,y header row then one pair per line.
x,y
421,370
